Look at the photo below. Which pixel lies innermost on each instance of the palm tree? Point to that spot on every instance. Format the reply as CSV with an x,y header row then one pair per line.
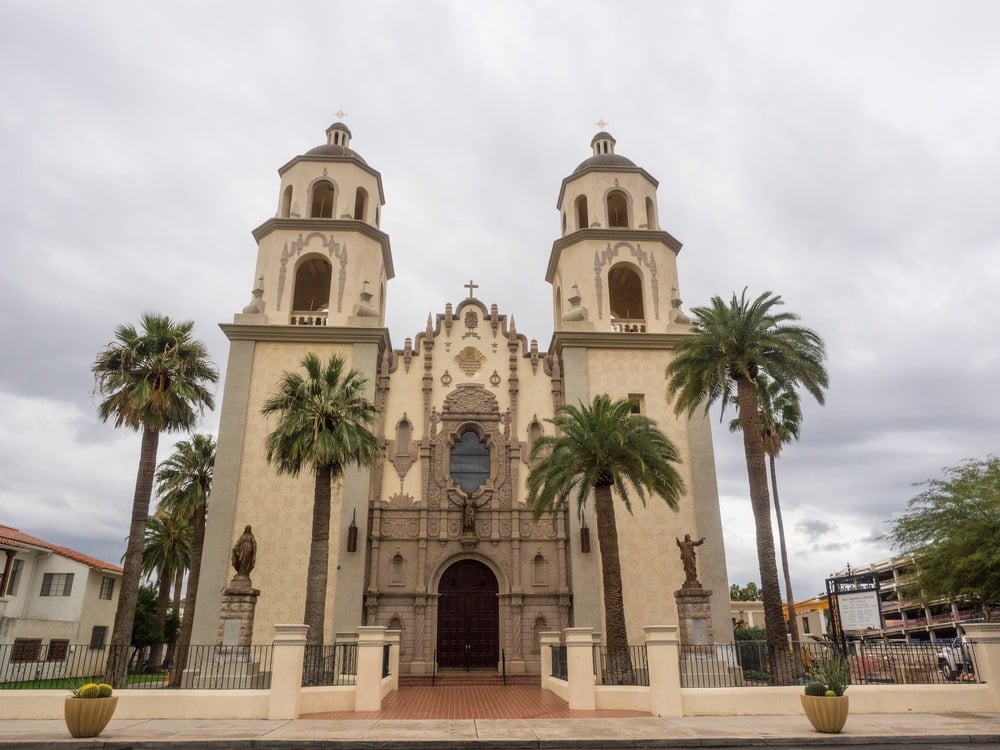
x,y
600,447
324,420
166,554
780,420
731,344
152,380
183,482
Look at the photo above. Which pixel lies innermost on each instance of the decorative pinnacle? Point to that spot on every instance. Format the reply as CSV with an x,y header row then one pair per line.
x,y
340,114
601,124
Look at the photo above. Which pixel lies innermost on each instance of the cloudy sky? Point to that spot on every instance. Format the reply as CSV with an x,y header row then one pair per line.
x,y
843,154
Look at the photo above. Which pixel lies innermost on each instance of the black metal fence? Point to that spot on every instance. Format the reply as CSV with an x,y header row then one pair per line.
x,y
559,666
65,666
623,668
333,665
748,663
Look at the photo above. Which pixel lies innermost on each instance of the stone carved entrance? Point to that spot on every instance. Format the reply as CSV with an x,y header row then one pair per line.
x,y
468,617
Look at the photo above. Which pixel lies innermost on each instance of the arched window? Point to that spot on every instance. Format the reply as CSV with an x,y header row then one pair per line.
x,y
312,285
564,222
397,571
540,571
360,204
617,209
625,291
286,203
650,214
403,430
322,200
470,462
582,217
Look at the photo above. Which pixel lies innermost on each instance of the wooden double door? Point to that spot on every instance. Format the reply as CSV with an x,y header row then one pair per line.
x,y
468,634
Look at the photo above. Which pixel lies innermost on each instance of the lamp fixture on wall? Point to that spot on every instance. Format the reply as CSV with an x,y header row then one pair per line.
x,y
584,538
352,533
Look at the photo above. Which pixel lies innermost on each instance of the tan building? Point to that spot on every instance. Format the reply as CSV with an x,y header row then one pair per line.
x,y
448,552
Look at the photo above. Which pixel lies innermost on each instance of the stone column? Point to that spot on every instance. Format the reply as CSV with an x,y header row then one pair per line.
x,y
286,671
239,601
368,687
580,668
694,613
663,653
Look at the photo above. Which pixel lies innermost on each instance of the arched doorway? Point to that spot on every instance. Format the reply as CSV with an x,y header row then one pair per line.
x,y
468,634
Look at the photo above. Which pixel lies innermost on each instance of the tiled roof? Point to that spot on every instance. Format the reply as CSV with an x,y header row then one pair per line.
x,y
10,537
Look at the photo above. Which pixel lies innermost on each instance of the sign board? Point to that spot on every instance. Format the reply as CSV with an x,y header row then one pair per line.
x,y
859,610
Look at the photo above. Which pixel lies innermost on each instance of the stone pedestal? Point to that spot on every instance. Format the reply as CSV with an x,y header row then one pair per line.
x,y
239,600
694,615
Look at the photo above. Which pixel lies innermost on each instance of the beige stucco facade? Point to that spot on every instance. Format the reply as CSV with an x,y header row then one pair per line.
x,y
464,380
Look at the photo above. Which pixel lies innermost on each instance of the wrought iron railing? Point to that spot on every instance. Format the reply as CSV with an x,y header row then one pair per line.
x,y
629,667
386,651
748,663
330,665
559,666
226,668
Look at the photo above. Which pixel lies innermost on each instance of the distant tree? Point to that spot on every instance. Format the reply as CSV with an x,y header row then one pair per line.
x,y
953,530
600,447
324,422
730,346
749,593
166,555
183,481
153,379
146,631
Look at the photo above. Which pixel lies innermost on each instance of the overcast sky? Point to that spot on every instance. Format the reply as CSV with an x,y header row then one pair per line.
x,y
843,155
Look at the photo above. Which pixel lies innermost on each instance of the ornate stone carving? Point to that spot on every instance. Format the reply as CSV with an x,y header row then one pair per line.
x,y
470,398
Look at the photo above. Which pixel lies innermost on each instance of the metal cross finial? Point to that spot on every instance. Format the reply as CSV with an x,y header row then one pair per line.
x,y
470,286
340,114
601,124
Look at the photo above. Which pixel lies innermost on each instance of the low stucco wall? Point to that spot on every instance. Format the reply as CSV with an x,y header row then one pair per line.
x,y
557,686
865,699
622,697
144,704
317,700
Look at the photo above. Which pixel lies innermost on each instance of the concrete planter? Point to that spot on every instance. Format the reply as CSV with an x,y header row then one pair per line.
x,y
87,717
826,714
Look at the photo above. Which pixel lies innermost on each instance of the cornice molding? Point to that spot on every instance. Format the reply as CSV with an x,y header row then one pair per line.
x,y
308,334
609,340
330,226
607,169
636,236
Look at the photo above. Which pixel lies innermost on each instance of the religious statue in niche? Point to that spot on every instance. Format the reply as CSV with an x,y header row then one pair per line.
x,y
469,508
688,559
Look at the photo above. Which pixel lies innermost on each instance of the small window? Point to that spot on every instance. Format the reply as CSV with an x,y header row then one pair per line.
x,y
57,584
540,571
397,571
805,625
650,214
57,650
403,431
107,588
98,636
15,576
617,209
322,200
26,649
635,402
286,203
582,217
360,204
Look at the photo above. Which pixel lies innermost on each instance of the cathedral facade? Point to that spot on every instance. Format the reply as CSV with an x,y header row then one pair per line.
x,y
435,539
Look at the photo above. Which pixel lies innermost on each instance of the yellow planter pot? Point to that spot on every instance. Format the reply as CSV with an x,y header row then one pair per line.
x,y
87,717
826,714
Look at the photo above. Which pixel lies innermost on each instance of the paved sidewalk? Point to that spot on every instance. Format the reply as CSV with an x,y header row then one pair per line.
x,y
871,732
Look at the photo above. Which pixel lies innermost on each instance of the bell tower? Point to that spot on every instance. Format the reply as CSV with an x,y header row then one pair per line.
x,y
613,269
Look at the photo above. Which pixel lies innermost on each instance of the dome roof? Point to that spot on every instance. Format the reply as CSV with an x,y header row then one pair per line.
x,y
605,160
329,149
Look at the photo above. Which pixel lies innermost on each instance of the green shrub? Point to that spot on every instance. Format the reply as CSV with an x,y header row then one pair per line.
x,y
834,671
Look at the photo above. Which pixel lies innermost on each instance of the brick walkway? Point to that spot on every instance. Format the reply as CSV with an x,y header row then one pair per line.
x,y
475,702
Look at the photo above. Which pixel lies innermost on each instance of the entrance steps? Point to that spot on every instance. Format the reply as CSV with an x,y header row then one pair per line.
x,y
461,678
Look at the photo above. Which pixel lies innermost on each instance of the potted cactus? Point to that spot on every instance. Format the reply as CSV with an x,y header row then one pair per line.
x,y
824,701
89,709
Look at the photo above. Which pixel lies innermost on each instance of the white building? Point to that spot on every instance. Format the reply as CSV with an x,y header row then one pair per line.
x,y
54,602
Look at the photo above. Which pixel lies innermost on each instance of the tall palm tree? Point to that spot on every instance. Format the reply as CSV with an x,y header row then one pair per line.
x,y
183,482
153,379
731,344
324,421
780,419
166,554
600,447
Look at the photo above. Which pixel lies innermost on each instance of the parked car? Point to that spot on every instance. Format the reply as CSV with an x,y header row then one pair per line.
x,y
955,659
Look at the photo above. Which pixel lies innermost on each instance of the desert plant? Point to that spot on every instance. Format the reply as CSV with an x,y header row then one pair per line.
x,y
834,671
814,687
93,690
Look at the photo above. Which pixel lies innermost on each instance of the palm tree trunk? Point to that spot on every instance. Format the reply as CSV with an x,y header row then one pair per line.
x,y
616,634
116,670
190,597
319,559
760,503
793,623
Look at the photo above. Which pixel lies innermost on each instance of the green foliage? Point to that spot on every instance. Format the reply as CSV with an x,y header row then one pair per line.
x,y
834,671
953,530
815,688
145,630
749,593
602,443
751,649
171,626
